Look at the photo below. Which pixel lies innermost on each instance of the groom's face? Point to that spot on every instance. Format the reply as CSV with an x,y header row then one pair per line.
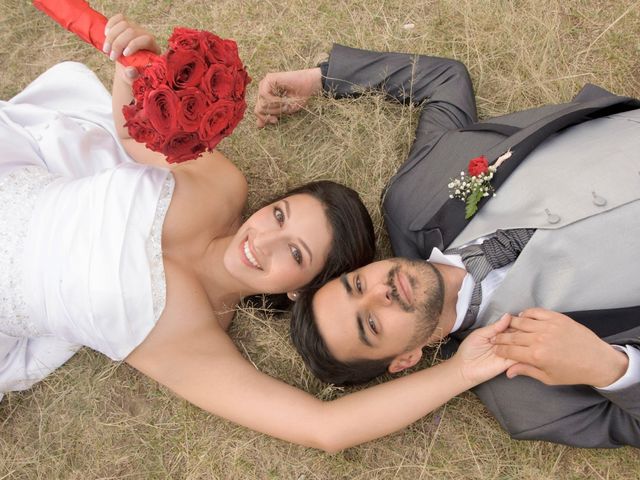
x,y
379,311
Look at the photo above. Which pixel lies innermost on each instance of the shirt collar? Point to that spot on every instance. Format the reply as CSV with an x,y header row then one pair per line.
x,y
466,289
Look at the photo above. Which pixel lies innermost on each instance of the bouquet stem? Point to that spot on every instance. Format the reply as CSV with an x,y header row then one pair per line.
x,y
78,17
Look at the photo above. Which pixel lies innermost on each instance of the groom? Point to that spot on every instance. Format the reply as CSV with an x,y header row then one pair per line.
x,y
562,232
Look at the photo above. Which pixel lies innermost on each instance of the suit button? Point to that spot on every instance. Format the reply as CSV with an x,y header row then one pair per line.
x,y
552,218
598,201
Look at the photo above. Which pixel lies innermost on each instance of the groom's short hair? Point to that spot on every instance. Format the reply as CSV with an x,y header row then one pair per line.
x,y
307,340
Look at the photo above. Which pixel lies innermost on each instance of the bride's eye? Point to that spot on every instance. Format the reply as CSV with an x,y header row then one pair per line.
x,y
295,253
278,215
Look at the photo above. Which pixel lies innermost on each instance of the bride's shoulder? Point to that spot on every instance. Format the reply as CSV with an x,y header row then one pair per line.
x,y
212,181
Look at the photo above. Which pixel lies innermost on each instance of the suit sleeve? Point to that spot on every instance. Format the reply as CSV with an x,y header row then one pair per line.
x,y
575,415
441,86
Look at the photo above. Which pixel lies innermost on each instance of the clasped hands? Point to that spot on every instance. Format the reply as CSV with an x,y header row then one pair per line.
x,y
556,350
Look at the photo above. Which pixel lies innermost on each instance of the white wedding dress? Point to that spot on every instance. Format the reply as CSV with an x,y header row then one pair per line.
x,y
80,229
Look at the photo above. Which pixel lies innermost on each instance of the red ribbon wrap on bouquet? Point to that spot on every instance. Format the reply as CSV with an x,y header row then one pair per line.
x,y
186,100
78,17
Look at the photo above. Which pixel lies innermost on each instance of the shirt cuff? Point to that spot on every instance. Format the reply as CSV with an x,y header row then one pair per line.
x,y
632,375
324,69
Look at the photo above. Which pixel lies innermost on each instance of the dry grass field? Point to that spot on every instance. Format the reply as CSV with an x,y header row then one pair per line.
x,y
94,419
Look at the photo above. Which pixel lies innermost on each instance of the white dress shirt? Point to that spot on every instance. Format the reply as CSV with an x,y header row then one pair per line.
x,y
491,282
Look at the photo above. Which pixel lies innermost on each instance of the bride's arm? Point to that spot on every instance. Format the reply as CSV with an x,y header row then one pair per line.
x,y
212,374
123,36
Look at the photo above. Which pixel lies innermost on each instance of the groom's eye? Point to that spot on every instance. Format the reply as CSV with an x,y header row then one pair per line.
x,y
372,325
358,284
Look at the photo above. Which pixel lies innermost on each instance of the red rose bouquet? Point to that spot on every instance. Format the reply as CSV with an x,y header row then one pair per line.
x,y
186,100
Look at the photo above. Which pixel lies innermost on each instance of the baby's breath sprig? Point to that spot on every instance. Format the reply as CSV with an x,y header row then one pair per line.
x,y
474,185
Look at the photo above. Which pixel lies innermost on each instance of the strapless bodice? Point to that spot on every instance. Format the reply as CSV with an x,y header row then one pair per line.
x,y
83,256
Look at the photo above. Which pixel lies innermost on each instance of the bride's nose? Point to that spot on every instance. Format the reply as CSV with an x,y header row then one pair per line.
x,y
266,241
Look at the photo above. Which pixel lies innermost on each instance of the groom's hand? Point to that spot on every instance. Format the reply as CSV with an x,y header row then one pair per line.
x,y
556,350
285,92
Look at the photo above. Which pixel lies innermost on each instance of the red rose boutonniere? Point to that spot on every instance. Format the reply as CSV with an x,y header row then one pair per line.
x,y
473,186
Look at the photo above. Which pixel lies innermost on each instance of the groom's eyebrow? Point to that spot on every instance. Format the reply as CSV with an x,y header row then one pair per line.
x,y
362,335
345,283
361,332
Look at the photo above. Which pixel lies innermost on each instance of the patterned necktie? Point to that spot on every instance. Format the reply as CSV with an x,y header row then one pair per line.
x,y
495,252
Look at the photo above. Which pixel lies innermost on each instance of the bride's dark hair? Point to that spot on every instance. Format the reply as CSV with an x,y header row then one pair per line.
x,y
353,241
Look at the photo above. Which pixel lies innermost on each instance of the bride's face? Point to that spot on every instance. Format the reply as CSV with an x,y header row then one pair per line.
x,y
281,247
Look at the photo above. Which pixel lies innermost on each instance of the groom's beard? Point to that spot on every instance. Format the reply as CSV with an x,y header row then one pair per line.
x,y
428,298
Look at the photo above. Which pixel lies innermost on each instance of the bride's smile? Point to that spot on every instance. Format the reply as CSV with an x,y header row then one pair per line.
x,y
250,257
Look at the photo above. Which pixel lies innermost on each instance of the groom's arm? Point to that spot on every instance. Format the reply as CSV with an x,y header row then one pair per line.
x,y
442,85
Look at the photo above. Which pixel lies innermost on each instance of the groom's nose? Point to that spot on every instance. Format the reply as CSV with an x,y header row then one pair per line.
x,y
379,295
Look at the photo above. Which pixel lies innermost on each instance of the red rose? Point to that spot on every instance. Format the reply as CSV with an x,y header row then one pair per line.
x,y
191,108
183,146
215,123
129,111
208,42
240,82
238,113
185,68
155,74
161,107
185,39
142,131
217,50
478,165
139,88
218,82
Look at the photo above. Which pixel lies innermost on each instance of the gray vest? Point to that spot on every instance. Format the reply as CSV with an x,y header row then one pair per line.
x,y
584,255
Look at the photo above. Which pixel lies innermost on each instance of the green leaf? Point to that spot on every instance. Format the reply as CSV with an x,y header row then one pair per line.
x,y
472,204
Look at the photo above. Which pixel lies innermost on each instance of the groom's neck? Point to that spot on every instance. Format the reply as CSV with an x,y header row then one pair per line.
x,y
452,278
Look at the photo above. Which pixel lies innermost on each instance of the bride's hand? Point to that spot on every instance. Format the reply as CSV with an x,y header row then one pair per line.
x,y
124,37
476,356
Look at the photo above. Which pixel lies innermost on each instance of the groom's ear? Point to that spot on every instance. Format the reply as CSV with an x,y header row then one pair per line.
x,y
405,360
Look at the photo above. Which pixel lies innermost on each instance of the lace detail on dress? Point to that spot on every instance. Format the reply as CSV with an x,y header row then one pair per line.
x,y
19,190
154,248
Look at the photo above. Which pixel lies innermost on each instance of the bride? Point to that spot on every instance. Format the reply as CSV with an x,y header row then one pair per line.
x,y
146,264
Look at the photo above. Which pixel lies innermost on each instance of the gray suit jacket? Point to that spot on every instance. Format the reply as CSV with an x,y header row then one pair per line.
x,y
419,216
